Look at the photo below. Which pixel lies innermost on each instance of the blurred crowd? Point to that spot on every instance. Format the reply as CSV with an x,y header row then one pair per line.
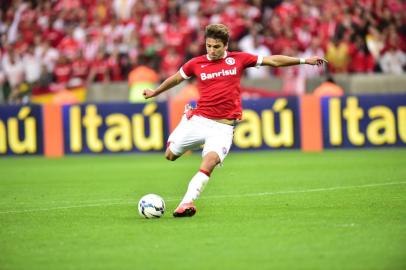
x,y
51,45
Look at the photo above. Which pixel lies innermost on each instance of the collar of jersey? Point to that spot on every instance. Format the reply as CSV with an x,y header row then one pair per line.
x,y
225,55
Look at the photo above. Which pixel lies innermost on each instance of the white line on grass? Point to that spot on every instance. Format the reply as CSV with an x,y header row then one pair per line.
x,y
306,190
110,203
70,202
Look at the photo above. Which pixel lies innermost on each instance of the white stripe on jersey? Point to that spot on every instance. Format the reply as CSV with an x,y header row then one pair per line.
x,y
183,74
259,61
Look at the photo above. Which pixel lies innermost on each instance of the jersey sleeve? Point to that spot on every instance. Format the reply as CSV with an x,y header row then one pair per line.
x,y
251,60
186,71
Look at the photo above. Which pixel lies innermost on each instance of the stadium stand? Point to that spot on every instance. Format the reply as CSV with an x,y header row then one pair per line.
x,y
47,46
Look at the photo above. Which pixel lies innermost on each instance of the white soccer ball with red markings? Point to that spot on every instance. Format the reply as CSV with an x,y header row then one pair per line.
x,y
151,206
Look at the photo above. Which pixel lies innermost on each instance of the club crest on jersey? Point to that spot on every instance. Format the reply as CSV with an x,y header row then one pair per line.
x,y
230,61
223,72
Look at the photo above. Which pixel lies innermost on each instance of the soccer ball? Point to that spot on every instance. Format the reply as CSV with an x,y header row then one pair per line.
x,y
151,206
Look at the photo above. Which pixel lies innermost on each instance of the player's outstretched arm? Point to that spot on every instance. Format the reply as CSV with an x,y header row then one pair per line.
x,y
170,82
283,61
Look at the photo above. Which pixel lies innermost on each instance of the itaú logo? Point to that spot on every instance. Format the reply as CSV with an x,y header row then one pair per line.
x,y
223,72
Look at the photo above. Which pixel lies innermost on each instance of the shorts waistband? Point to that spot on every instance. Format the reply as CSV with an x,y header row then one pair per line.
x,y
230,122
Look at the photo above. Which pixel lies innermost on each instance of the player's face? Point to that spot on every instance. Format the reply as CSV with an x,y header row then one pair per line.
x,y
215,48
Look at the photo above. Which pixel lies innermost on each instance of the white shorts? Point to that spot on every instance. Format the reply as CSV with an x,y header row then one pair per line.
x,y
191,134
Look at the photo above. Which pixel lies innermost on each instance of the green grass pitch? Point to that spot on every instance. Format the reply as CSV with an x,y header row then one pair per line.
x,y
263,210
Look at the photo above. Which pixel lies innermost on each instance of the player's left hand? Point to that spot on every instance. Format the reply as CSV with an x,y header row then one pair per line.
x,y
315,60
148,93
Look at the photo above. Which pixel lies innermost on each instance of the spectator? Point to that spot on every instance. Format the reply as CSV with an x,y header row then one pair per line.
x,y
327,26
79,32
338,55
361,59
328,89
14,71
283,40
48,55
293,83
313,49
140,77
304,36
3,24
13,29
32,67
67,5
122,8
51,34
375,43
44,12
171,62
99,69
113,62
2,82
251,43
92,44
62,71
80,71
192,51
113,30
69,46
393,61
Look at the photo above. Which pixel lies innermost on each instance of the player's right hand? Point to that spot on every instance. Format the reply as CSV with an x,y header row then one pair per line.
x,y
148,93
315,60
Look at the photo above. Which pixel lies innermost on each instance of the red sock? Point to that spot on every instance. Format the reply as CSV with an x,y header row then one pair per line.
x,y
205,172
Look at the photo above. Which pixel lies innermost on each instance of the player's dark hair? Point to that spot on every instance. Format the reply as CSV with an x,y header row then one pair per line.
x,y
217,31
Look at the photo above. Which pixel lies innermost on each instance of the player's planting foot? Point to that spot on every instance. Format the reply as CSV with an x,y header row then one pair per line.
x,y
185,210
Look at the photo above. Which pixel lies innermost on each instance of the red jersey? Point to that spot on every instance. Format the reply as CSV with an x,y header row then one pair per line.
x,y
62,72
80,68
218,82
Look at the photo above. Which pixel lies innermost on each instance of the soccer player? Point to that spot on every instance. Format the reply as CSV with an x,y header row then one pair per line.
x,y
218,109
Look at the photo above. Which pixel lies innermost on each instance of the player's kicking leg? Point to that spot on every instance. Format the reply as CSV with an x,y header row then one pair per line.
x,y
169,155
186,207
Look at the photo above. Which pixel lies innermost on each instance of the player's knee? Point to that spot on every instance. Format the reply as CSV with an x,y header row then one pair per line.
x,y
170,156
